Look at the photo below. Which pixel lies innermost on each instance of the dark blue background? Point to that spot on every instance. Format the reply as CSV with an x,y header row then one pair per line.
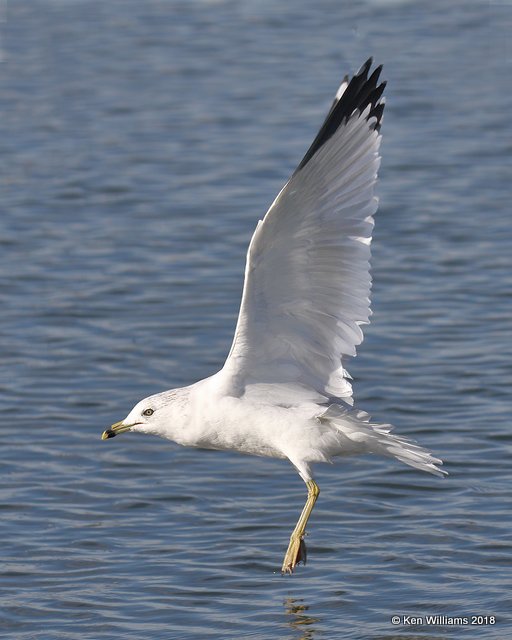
x,y
140,143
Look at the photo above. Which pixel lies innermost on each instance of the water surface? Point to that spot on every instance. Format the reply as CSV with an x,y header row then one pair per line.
x,y
141,141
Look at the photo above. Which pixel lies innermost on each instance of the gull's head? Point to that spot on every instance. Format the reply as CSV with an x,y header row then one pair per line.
x,y
154,415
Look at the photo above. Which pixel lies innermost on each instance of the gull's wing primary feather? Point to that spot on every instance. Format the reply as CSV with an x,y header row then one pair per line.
x,y
307,280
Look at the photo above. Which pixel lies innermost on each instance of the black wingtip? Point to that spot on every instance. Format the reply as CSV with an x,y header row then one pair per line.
x,y
362,91
365,67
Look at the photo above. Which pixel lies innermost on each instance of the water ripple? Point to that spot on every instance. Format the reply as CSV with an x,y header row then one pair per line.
x,y
143,141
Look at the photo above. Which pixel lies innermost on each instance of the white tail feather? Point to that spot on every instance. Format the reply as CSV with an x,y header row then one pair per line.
x,y
358,432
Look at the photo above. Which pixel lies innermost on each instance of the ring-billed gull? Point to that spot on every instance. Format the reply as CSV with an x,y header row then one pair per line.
x,y
283,391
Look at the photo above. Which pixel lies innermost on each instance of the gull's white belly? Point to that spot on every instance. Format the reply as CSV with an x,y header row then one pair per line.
x,y
255,430
261,429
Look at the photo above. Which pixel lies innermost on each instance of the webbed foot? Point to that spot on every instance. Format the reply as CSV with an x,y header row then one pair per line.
x,y
296,553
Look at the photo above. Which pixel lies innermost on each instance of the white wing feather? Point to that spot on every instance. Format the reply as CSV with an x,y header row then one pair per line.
x,y
307,279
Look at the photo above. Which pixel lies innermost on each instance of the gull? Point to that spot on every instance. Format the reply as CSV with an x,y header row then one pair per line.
x,y
284,391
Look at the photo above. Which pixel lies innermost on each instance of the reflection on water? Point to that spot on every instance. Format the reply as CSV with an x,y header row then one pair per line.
x,y
299,619
141,140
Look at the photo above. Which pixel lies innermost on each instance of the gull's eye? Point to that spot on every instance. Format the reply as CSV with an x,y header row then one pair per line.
x,y
148,412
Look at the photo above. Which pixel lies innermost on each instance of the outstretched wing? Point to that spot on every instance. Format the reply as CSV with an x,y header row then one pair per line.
x,y
307,280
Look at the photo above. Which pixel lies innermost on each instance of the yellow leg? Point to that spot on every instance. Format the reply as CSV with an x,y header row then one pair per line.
x,y
297,547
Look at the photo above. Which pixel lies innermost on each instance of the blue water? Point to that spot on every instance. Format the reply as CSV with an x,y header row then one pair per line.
x,y
140,142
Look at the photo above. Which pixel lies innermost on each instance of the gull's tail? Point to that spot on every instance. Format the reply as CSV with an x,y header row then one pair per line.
x,y
359,435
